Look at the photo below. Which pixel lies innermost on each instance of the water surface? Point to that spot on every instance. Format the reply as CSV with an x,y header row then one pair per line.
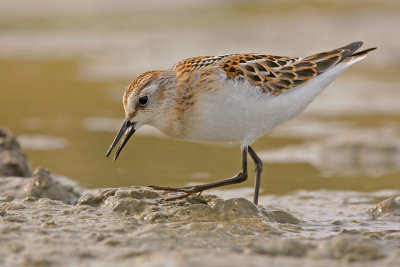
x,y
62,78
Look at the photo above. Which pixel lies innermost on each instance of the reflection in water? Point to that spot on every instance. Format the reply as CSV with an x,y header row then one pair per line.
x,y
63,70
103,124
323,207
41,142
346,151
63,78
88,129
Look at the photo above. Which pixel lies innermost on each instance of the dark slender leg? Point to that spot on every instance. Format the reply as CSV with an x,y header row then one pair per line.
x,y
239,178
258,163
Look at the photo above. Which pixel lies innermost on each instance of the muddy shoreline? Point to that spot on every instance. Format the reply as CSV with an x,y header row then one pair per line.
x,y
134,225
47,220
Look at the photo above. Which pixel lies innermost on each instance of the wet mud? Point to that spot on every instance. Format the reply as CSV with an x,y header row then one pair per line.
x,y
13,161
48,220
135,225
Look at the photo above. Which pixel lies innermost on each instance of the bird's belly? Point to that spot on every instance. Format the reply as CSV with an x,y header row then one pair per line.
x,y
228,121
232,114
243,112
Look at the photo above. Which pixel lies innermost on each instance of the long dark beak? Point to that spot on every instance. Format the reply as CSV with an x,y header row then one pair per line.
x,y
127,129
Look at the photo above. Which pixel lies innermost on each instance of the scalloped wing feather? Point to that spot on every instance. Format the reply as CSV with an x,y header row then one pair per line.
x,y
273,74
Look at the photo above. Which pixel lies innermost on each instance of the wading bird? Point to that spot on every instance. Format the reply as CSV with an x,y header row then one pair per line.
x,y
229,98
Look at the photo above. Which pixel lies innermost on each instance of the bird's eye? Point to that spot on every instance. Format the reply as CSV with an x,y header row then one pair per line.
x,y
143,100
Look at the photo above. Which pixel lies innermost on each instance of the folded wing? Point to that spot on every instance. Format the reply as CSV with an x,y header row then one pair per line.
x,y
273,74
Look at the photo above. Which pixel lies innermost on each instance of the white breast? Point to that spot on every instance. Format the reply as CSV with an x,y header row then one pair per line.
x,y
238,111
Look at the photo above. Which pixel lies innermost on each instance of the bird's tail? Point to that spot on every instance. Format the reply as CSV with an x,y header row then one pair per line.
x,y
326,60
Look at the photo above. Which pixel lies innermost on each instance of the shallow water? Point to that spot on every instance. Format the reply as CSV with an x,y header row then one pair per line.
x,y
77,120
62,81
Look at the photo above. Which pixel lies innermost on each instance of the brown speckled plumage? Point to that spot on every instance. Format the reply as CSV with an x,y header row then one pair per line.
x,y
139,83
229,98
273,74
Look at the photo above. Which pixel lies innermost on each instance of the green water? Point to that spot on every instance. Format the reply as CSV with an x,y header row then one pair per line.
x,y
49,98
62,65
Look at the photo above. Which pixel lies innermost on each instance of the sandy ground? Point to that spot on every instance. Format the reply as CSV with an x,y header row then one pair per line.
x,y
47,220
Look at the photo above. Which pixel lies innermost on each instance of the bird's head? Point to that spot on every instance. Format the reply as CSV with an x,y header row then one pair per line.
x,y
143,102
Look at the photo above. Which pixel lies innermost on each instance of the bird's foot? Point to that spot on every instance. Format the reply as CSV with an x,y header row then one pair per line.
x,y
189,190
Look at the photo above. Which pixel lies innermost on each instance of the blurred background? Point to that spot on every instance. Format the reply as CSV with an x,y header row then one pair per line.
x,y
65,64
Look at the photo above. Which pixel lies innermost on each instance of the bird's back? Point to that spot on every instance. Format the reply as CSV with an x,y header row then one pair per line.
x,y
239,97
273,74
